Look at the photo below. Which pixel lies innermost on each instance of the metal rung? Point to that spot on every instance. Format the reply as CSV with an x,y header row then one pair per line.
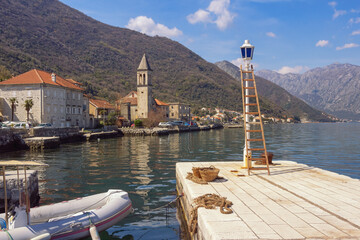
x,y
249,87
248,79
253,131
254,123
247,71
255,140
250,95
250,104
256,149
252,113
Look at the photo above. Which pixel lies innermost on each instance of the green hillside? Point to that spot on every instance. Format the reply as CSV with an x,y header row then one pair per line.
x,y
51,36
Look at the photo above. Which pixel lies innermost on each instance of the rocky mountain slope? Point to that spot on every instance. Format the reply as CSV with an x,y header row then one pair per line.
x,y
51,36
278,95
334,88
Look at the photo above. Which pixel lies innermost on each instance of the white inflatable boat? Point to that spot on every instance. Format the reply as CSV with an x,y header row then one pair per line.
x,y
70,219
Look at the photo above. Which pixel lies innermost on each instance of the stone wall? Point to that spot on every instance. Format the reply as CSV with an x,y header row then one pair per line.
x,y
11,140
65,134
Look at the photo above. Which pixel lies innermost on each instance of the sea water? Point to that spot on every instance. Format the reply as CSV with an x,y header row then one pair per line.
x,y
145,167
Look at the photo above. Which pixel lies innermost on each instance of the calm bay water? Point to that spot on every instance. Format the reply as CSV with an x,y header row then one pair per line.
x,y
145,167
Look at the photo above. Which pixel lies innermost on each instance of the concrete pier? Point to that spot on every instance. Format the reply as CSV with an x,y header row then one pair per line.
x,y
295,202
102,135
41,143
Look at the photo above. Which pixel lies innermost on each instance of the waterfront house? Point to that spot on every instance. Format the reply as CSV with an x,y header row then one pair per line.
x,y
100,108
179,111
55,100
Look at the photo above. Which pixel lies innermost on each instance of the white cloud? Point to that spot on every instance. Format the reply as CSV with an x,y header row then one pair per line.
x,y
333,4
338,13
148,26
357,32
355,11
348,45
217,13
354,20
322,43
296,69
199,16
271,34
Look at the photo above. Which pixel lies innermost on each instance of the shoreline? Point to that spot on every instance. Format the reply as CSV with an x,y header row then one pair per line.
x,y
39,139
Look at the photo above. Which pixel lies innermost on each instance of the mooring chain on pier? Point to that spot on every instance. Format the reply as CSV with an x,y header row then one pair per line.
x,y
208,201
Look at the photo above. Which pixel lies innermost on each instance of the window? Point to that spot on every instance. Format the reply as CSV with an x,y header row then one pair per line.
x,y
29,93
79,110
172,114
68,111
73,95
78,96
74,110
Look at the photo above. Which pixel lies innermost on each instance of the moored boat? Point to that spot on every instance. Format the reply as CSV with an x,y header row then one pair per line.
x,y
74,219
70,219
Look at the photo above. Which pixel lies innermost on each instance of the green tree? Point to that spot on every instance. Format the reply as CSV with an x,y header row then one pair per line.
x,y
103,114
28,105
138,123
13,102
4,74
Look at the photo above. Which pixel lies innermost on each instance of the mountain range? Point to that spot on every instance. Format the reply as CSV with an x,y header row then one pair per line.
x,y
49,35
278,95
334,89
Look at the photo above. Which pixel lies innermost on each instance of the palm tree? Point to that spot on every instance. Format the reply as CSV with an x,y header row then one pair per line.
x,y
28,105
103,113
13,102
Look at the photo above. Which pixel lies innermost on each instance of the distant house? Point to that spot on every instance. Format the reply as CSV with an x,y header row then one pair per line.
x,y
100,108
179,111
56,100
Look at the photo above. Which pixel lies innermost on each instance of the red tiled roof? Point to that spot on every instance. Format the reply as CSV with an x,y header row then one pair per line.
x,y
74,82
130,95
132,101
37,77
101,104
160,103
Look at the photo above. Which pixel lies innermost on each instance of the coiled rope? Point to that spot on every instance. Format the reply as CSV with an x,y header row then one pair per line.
x,y
208,201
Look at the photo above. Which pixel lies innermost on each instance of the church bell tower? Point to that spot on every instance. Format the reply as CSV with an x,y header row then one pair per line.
x,y
144,94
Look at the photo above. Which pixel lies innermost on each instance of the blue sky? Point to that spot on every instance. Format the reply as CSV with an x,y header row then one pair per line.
x,y
288,35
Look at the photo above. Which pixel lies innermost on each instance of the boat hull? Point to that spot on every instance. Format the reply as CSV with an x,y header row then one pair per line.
x,y
109,208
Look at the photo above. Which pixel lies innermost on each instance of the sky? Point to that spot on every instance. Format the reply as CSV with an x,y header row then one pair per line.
x,y
288,35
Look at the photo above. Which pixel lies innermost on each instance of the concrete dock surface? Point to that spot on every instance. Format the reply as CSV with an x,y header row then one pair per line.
x,y
295,202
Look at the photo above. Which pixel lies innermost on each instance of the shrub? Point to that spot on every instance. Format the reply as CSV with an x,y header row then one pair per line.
x,y
138,123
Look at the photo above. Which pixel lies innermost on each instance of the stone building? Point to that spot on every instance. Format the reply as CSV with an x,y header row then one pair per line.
x,y
179,111
100,108
56,100
140,104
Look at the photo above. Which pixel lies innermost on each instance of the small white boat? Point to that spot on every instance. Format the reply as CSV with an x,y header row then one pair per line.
x,y
69,219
